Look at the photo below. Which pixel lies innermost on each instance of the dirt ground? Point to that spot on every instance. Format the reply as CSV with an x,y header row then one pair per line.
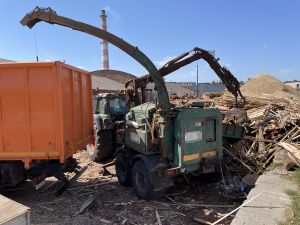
x,y
99,199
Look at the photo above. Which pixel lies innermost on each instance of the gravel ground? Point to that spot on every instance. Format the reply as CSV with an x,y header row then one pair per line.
x,y
96,198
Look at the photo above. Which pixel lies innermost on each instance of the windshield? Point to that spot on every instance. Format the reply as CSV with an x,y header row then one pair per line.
x,y
117,106
99,105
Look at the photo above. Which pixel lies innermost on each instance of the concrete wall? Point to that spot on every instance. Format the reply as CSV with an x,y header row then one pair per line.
x,y
188,84
205,87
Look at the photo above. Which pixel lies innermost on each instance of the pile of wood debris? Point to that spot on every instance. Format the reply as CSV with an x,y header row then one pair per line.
x,y
268,130
273,124
271,118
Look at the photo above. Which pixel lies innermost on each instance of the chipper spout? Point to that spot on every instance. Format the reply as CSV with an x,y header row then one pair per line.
x,y
50,16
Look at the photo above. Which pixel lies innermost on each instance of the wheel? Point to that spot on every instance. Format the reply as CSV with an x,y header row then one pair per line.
x,y
141,181
102,148
123,170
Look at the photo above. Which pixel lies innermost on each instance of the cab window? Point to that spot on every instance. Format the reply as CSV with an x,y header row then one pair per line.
x,y
103,106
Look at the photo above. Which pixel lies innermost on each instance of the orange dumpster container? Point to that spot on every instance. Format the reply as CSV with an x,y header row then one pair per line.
x,y
46,111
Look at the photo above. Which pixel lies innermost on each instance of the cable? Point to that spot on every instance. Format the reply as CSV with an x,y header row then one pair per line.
x,y
37,57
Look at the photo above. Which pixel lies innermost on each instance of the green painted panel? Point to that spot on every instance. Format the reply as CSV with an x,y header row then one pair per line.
x,y
139,140
232,133
145,110
197,131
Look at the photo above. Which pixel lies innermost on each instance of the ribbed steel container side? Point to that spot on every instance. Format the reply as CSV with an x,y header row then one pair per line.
x,y
45,111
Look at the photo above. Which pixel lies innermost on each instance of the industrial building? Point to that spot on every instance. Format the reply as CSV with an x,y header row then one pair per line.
x,y
109,81
5,60
295,84
174,88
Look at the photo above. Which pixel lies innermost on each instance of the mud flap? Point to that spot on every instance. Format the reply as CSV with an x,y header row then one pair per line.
x,y
159,179
157,167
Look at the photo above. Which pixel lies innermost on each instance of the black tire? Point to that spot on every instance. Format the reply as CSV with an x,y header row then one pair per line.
x,y
123,170
141,181
103,146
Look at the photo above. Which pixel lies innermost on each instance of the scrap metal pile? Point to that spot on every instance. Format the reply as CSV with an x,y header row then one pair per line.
x,y
271,118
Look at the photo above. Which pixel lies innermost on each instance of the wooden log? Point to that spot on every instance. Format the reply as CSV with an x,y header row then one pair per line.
x,y
261,145
295,151
297,129
260,139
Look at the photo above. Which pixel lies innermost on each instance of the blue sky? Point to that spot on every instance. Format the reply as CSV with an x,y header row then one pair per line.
x,y
250,37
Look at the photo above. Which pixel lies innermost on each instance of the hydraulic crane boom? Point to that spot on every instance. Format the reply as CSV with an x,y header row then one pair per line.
x,y
231,83
50,16
223,73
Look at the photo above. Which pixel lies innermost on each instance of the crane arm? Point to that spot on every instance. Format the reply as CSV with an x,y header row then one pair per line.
x,y
50,16
223,73
230,81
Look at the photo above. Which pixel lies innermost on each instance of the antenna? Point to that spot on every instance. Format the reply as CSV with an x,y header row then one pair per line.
x,y
37,57
197,79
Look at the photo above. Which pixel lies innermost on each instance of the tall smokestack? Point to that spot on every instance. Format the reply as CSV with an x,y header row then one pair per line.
x,y
105,64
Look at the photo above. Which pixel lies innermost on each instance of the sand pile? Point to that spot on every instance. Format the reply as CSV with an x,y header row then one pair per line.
x,y
264,83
